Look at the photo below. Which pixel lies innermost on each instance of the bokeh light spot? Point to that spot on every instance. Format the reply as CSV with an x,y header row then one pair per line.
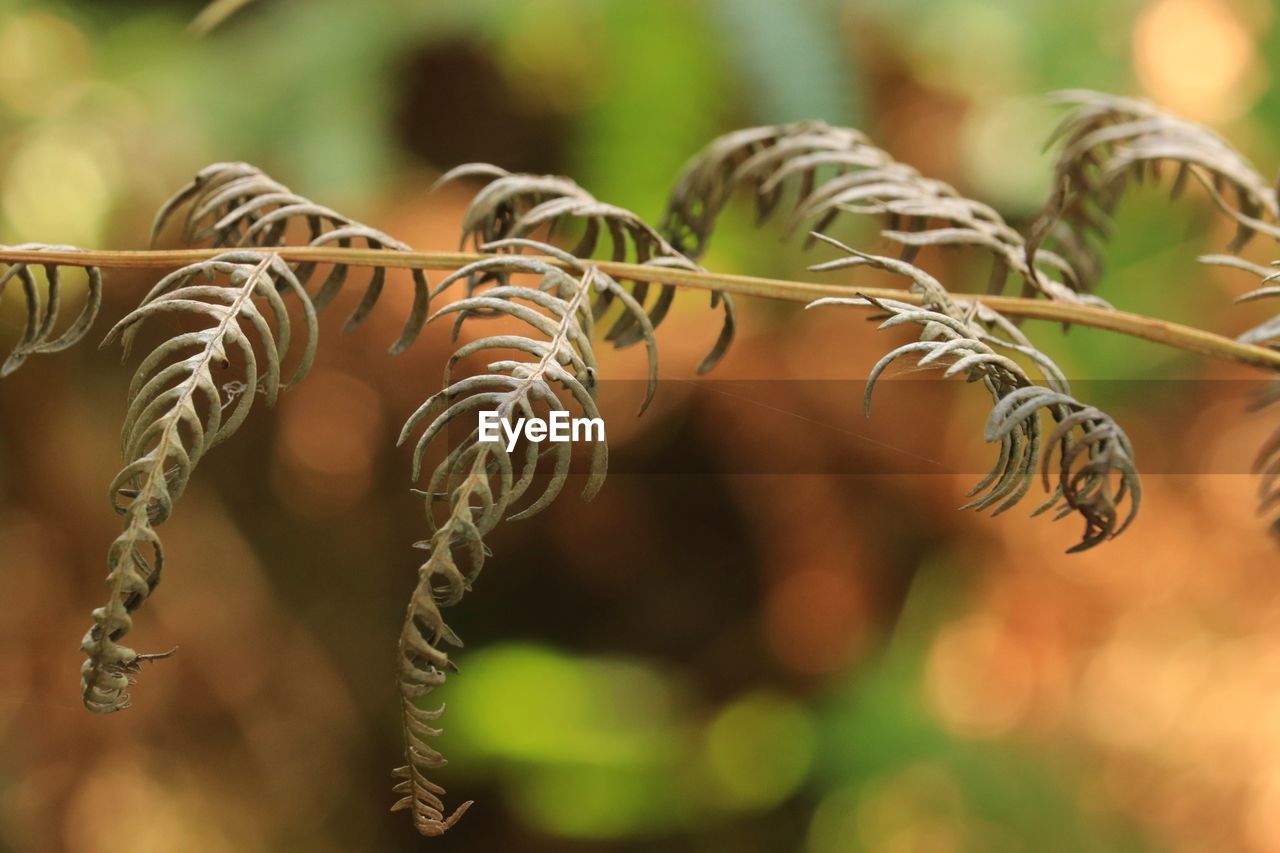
x,y
531,704
45,58
814,619
1196,57
330,433
978,678
922,807
1003,155
57,187
595,803
759,750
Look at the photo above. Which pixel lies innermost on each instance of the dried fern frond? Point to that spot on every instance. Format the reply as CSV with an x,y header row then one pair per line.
x,y
1096,477
479,483
517,207
1107,141
499,209
1264,334
1267,463
763,158
177,411
817,172
239,205
44,305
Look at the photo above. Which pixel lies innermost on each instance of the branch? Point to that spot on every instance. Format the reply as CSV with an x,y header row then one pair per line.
x,y
1164,332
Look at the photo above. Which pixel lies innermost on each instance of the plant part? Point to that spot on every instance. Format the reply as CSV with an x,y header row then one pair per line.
x,y
837,170
175,415
479,482
521,206
1096,473
237,205
44,305
555,270
1107,142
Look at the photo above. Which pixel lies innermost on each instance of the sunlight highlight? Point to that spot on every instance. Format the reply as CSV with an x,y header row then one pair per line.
x,y
1196,57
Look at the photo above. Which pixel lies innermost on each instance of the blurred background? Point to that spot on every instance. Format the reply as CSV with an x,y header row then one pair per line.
x,y
769,632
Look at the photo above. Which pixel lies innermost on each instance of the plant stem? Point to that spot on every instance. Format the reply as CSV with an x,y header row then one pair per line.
x,y
1171,334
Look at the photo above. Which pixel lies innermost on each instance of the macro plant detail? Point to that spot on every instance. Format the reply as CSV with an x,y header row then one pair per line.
x,y
519,206
237,205
44,303
479,483
556,269
178,412
1108,143
1095,472
825,172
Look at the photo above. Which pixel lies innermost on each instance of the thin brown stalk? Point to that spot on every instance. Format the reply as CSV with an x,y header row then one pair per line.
x,y
1176,335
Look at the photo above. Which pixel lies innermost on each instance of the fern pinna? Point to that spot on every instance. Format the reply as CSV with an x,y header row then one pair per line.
x,y
478,481
1108,144
826,172
176,414
1096,477
520,206
43,305
238,205
556,268
481,482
